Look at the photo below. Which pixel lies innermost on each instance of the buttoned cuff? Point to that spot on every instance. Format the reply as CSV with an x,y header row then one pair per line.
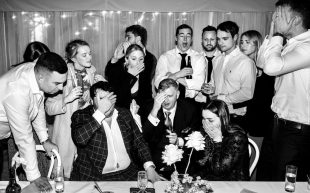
x,y
32,174
148,164
153,120
99,116
42,135
180,142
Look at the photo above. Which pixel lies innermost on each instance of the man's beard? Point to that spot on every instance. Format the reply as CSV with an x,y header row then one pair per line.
x,y
208,49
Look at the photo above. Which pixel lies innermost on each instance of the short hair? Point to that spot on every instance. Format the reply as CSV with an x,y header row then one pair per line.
x,y
167,83
34,50
51,62
133,47
301,7
102,85
72,48
230,27
183,26
138,30
208,28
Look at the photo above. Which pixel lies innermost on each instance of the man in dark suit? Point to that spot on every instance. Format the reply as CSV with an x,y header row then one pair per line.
x,y
169,121
106,138
135,34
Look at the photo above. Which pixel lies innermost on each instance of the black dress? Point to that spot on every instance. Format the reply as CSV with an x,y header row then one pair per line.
x,y
227,160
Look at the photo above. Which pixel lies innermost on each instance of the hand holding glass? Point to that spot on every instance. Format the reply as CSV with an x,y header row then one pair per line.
x,y
290,178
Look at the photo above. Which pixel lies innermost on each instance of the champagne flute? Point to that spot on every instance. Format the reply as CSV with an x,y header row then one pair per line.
x,y
142,181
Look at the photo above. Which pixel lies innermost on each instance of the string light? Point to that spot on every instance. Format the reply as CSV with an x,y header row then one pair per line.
x,y
156,13
77,33
130,12
184,13
118,12
170,13
103,13
13,16
111,12
90,23
63,16
23,13
84,28
90,13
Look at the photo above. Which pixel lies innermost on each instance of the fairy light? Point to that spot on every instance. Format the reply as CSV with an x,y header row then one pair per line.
x,y
23,13
118,12
103,13
90,13
130,12
13,16
46,24
90,23
64,16
170,13
111,12
36,15
77,33
84,28
156,13
184,13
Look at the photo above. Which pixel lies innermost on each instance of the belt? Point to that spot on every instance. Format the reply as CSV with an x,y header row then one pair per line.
x,y
293,124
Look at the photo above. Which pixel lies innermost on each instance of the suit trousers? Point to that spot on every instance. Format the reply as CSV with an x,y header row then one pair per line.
x,y
291,143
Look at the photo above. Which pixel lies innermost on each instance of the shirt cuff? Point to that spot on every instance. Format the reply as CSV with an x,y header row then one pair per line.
x,y
221,97
153,120
148,164
99,116
32,174
42,135
180,142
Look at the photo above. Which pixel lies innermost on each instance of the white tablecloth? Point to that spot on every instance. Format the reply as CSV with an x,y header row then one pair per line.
x,y
218,187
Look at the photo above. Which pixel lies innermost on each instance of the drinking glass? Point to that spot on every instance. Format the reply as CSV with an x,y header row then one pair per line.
x,y
59,181
290,178
142,181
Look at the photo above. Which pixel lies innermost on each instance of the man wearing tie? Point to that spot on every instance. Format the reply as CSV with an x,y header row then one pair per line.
x,y
174,64
210,51
169,121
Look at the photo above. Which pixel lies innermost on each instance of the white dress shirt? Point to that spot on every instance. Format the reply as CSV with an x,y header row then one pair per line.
x,y
234,77
291,66
171,62
118,158
22,109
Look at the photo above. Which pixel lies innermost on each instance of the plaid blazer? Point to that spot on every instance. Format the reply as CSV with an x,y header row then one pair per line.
x,y
92,148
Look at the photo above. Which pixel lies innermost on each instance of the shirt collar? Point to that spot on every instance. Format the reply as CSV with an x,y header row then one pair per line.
x,y
301,37
178,51
235,52
32,80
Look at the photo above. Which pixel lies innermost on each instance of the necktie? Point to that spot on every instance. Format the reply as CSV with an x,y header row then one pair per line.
x,y
168,122
183,65
210,67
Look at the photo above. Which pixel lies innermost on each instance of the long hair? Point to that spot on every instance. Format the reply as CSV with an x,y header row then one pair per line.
x,y
132,48
220,108
255,37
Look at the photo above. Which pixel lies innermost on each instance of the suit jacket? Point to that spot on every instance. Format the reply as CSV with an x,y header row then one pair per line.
x,y
186,116
122,81
92,148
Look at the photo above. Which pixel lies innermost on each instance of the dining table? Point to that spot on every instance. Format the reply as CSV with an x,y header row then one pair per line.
x,y
160,186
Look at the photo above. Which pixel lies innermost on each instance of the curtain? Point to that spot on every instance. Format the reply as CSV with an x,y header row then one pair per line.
x,y
104,30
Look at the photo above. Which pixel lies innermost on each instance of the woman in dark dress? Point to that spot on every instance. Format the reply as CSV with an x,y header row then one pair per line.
x,y
226,155
130,80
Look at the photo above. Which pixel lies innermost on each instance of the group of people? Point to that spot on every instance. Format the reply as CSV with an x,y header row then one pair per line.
x,y
109,127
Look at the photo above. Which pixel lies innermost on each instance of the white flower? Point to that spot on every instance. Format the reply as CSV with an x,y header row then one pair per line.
x,y
195,140
18,161
172,154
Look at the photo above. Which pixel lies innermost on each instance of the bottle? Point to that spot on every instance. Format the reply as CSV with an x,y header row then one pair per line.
x,y
13,187
189,65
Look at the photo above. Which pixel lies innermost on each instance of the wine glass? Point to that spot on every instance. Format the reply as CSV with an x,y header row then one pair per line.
x,y
142,181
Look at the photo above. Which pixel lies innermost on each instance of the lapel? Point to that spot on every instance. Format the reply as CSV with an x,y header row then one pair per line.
x,y
125,129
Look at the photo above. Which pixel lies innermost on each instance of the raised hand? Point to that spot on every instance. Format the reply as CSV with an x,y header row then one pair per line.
x,y
135,69
74,94
207,88
184,72
121,50
134,107
214,131
105,101
158,101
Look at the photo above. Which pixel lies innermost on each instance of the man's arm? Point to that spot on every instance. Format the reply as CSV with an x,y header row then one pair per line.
x,y
83,127
277,64
247,85
16,106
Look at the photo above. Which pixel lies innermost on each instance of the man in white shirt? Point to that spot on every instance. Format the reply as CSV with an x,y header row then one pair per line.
x,y
234,73
108,141
291,102
210,51
22,108
174,64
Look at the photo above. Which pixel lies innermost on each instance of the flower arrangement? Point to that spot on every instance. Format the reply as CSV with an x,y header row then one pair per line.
x,y
172,154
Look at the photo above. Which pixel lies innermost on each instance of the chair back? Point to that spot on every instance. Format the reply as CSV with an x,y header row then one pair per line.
x,y
253,145
41,148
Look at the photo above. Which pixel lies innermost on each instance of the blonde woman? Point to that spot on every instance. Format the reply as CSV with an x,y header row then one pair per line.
x,y
75,95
